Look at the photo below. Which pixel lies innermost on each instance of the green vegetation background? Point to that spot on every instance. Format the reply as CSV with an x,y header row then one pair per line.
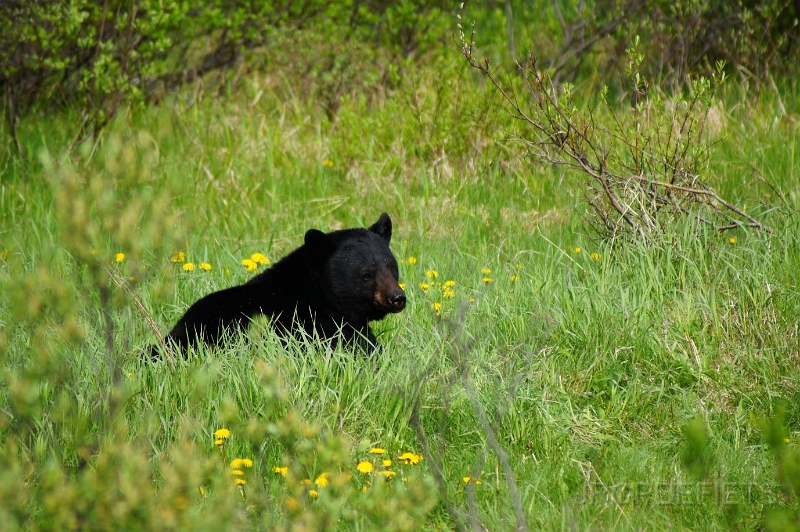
x,y
587,383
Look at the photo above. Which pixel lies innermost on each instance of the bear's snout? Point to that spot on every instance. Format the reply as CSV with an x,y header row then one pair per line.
x,y
397,300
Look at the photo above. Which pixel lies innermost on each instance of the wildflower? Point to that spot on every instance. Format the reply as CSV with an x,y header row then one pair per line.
x,y
433,274
449,284
306,482
595,256
437,307
377,450
179,256
402,286
412,260
486,271
188,267
467,480
222,434
448,292
577,250
241,462
202,491
487,280
313,494
119,257
731,240
410,458
240,481
786,440
387,474
387,463
365,467
205,266
327,162
260,258
281,470
514,278
237,473
424,286
250,265
321,480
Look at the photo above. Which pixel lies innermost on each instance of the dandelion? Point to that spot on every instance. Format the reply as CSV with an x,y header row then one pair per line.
x,y
448,292
238,463
432,274
487,280
387,463
313,494
240,481
437,308
514,278
731,240
577,250
321,480
377,450
327,162
237,473
449,284
410,458
222,434
260,258
387,474
365,467
467,480
306,482
250,265
412,260
595,256
281,470
205,266
119,257
786,440
402,286
179,256
486,271
189,266
424,286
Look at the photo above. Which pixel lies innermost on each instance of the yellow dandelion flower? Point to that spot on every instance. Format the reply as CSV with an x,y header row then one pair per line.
x,y
188,267
467,480
119,257
306,482
387,474
595,256
237,472
731,240
402,286
514,278
222,434
250,265
238,463
487,280
786,440
387,463
432,274
281,470
260,258
577,250
365,467
472,300
437,307
377,450
486,271
327,162
313,494
205,266
321,480
424,286
449,284
410,458
179,256
240,481
412,260
448,293
219,441
518,265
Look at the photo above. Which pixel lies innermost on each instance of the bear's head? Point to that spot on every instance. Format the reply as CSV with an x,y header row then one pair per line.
x,y
359,273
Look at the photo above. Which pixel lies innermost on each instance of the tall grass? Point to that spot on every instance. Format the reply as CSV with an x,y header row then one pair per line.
x,y
629,385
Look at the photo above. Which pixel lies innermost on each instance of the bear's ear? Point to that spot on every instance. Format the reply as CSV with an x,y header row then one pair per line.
x,y
383,227
317,240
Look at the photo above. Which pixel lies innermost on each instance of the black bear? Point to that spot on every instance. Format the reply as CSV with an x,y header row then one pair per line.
x,y
331,287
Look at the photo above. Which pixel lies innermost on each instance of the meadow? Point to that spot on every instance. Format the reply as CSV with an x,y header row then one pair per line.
x,y
541,377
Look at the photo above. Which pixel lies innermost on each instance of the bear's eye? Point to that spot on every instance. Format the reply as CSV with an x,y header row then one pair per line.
x,y
368,276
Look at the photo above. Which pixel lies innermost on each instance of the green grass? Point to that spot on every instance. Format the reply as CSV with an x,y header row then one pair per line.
x,y
590,368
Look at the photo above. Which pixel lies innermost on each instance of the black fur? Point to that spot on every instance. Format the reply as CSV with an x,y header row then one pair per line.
x,y
331,287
